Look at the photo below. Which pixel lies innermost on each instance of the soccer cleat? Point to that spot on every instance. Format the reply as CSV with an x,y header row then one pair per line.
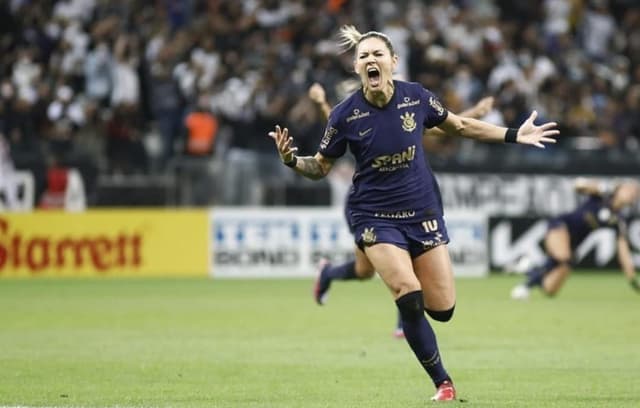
x,y
446,392
321,287
520,292
520,266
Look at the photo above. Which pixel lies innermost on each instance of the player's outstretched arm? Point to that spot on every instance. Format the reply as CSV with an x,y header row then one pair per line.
x,y
312,167
528,133
626,263
477,111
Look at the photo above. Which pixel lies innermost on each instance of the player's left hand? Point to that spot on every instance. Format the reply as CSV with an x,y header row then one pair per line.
x,y
535,135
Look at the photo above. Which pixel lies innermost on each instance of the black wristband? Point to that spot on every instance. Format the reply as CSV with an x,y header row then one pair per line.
x,y
292,163
511,135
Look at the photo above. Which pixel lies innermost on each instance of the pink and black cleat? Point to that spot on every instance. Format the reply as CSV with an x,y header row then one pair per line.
x,y
446,392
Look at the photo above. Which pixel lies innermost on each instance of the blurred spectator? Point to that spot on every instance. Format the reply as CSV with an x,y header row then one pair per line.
x,y
597,29
65,189
126,82
26,74
73,69
98,73
125,149
8,187
202,129
166,101
66,114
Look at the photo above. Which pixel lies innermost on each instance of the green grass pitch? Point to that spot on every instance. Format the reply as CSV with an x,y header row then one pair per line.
x,y
264,343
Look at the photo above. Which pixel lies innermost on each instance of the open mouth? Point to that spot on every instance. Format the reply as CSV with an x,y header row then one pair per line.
x,y
374,76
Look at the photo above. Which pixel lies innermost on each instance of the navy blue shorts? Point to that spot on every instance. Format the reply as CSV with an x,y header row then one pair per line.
x,y
554,223
417,237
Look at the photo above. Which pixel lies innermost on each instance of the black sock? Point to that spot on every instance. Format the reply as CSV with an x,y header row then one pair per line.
x,y
420,336
345,271
536,274
399,324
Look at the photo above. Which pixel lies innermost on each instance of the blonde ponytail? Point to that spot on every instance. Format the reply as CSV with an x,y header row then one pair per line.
x,y
349,37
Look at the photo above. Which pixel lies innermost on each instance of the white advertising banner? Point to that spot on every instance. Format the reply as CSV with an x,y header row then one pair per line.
x,y
511,194
288,242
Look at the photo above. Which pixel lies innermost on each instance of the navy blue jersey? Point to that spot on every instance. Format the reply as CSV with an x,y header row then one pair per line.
x,y
594,213
392,178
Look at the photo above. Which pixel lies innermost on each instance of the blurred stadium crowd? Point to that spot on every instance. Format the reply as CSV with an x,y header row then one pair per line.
x,y
126,87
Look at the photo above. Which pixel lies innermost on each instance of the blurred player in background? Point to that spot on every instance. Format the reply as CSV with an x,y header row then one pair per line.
x,y
361,268
604,207
8,187
394,205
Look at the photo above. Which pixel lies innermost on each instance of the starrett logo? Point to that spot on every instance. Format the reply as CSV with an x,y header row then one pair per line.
x,y
39,252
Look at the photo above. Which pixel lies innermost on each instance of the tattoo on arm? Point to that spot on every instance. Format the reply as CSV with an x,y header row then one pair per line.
x,y
311,168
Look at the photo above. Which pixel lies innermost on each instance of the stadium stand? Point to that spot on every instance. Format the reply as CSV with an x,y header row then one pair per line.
x,y
106,87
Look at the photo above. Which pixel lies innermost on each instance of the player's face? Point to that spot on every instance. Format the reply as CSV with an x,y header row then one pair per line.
x,y
374,63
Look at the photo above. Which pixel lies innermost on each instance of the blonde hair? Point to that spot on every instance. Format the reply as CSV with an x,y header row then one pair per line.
x,y
350,37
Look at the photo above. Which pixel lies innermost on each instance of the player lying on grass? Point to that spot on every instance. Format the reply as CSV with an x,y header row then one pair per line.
x,y
604,207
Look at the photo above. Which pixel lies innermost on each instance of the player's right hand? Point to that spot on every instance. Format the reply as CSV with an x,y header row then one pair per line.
x,y
284,144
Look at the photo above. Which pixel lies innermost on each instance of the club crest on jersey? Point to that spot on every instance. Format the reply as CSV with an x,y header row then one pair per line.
x,y
435,104
368,236
408,121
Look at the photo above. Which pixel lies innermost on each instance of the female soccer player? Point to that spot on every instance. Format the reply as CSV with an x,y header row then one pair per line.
x,y
565,233
360,268
394,205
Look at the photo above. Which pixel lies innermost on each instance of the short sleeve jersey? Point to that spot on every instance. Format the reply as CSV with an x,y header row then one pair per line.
x,y
392,177
595,212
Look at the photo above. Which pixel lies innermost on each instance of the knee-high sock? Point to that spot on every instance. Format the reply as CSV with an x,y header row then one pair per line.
x,y
536,274
345,271
420,336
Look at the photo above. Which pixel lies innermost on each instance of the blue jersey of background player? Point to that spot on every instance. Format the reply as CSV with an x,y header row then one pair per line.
x,y
407,249
601,209
596,212
392,180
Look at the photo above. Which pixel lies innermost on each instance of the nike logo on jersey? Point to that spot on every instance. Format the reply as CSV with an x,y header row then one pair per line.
x,y
364,132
